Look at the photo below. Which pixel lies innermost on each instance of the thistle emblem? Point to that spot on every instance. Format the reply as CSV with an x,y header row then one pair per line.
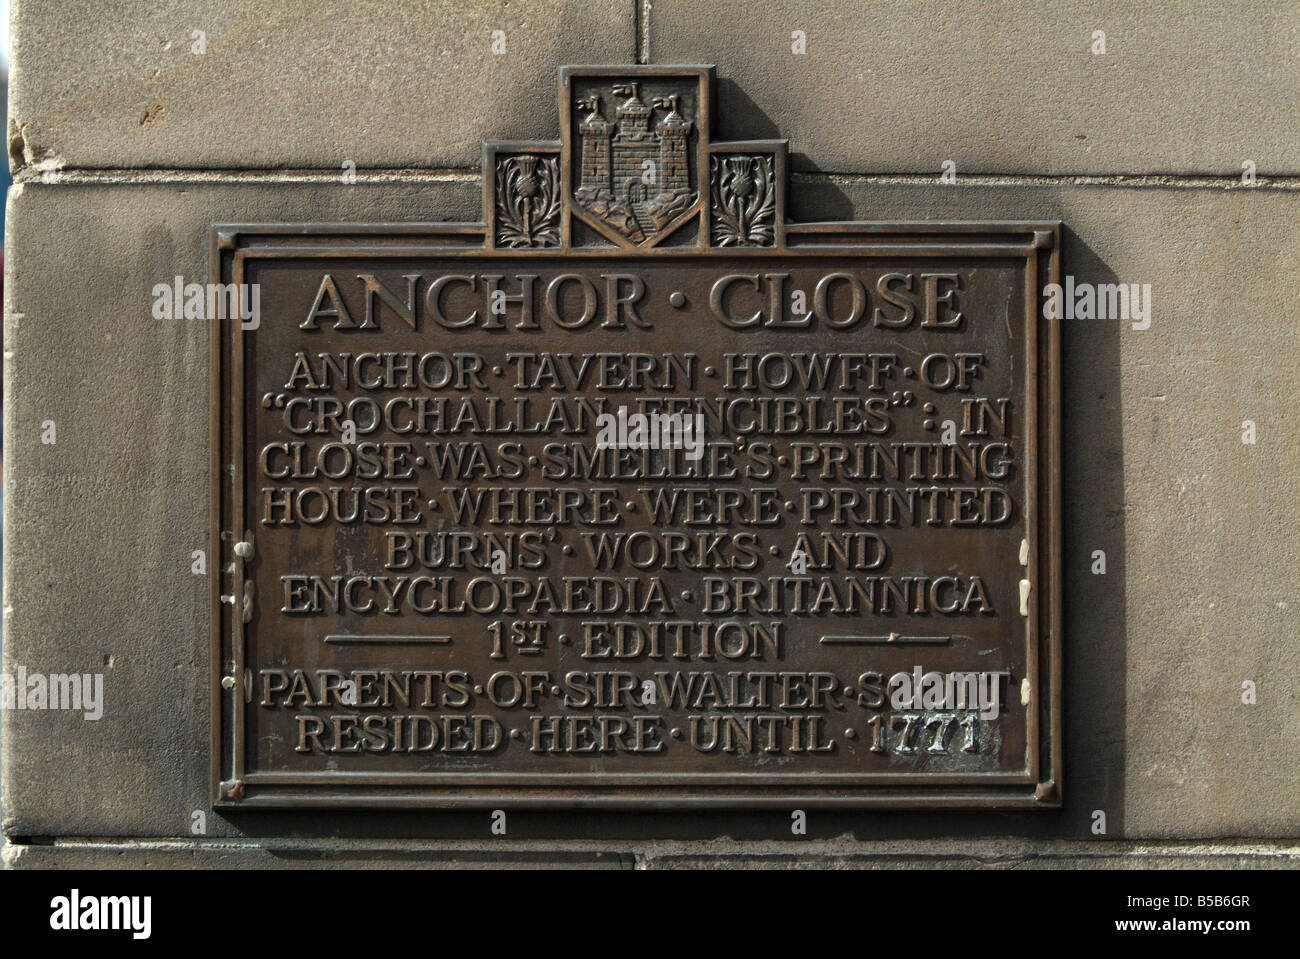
x,y
744,201
528,201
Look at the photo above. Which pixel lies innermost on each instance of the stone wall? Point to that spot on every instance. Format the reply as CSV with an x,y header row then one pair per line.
x,y
127,141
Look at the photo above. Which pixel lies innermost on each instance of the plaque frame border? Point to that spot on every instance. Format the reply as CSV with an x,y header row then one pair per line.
x,y
1039,786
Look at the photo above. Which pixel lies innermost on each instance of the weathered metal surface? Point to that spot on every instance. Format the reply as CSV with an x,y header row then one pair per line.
x,y
443,585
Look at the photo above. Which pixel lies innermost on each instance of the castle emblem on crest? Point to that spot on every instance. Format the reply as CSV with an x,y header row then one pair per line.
x,y
635,171
636,168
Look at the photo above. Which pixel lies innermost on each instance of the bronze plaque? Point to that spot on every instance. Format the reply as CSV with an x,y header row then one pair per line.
x,y
637,493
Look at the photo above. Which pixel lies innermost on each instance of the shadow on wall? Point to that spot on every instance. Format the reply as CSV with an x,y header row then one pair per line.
x,y
1096,639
